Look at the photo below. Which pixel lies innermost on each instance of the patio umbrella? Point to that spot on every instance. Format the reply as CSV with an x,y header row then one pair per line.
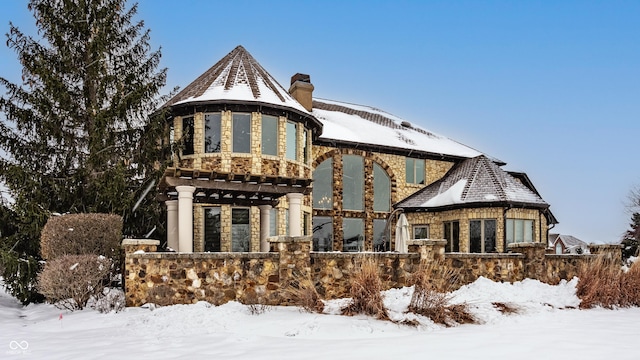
x,y
402,234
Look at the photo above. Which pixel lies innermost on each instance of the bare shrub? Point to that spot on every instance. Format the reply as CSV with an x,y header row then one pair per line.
x,y
77,234
113,300
599,283
630,286
366,292
70,281
431,296
256,305
304,294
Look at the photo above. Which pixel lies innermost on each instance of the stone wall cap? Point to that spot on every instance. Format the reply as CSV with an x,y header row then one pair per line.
x,y
605,246
140,242
569,256
289,239
204,255
345,255
483,255
426,242
527,245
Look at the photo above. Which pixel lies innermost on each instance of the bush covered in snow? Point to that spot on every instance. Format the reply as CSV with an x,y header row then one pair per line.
x,y
76,234
69,281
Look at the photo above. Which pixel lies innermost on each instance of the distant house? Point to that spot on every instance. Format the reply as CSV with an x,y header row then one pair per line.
x,y
257,161
567,244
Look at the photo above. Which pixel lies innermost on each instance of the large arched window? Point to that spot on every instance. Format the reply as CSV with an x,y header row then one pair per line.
x,y
352,182
381,189
323,185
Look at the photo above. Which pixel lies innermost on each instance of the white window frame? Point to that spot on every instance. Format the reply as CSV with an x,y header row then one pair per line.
x,y
422,226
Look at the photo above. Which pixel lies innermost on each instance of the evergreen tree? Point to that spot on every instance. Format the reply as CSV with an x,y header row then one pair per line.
x,y
80,130
631,239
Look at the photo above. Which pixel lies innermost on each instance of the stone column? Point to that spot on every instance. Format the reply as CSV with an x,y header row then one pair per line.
x,y
265,220
294,265
429,250
610,251
295,214
172,224
534,263
185,218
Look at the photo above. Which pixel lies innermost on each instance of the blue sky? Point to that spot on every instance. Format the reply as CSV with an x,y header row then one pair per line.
x,y
550,87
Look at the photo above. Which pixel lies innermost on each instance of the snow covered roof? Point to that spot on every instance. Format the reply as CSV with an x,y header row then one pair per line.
x,y
237,77
569,241
358,124
474,181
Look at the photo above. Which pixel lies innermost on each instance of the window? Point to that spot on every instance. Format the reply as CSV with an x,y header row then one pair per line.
x,y
421,232
273,222
352,182
292,143
452,235
305,223
482,236
380,238
323,185
241,132
187,136
322,233
558,248
240,230
381,189
415,171
519,230
353,234
212,229
286,222
269,135
305,147
212,133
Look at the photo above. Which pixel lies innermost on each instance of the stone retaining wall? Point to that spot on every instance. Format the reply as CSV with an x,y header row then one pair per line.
x,y
264,278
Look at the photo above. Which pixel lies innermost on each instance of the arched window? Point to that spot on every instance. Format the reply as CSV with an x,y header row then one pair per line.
x,y
381,189
352,182
323,185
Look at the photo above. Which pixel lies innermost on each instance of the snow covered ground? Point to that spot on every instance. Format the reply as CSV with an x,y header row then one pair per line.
x,y
547,326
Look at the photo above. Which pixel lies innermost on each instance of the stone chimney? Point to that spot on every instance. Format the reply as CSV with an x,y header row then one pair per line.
x,y
301,89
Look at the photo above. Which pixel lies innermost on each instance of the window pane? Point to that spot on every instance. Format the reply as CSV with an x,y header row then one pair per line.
x,y
269,135
305,223
421,232
489,235
292,135
519,230
273,222
187,136
353,235
380,242
528,230
323,185
510,236
212,133
241,133
410,171
286,222
447,236
353,182
419,171
322,233
455,236
212,229
305,145
381,189
475,236
240,230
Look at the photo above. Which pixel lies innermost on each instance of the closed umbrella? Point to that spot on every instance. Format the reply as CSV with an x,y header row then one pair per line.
x,y
402,234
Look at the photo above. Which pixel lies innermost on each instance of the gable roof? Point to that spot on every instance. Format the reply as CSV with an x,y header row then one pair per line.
x,y
473,182
365,126
569,241
237,77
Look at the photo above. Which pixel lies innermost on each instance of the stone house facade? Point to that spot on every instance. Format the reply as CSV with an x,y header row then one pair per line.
x,y
257,161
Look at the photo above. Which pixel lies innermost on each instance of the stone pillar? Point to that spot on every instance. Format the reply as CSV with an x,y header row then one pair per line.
x,y
295,262
185,218
265,220
611,251
534,264
429,250
172,224
295,214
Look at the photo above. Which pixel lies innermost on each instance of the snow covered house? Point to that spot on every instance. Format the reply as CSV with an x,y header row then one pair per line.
x,y
567,244
258,161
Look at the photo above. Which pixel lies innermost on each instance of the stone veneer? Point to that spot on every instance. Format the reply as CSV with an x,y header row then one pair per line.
x,y
264,278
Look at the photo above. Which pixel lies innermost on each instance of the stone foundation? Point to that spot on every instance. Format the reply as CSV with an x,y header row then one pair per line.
x,y
264,278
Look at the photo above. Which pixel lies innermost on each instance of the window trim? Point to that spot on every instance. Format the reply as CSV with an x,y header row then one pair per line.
x,y
482,235
233,137
452,240
514,238
414,172
262,134
421,226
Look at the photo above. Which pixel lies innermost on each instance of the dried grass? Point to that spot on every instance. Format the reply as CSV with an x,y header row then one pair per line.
x,y
630,286
366,292
600,283
304,294
431,296
506,308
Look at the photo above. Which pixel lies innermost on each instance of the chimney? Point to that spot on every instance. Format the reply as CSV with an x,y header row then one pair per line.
x,y
301,89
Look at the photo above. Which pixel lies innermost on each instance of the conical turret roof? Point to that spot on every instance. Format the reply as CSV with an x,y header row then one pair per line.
x,y
237,77
477,181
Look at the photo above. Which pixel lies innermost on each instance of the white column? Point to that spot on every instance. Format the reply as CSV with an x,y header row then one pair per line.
x,y
185,218
172,224
265,221
295,214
